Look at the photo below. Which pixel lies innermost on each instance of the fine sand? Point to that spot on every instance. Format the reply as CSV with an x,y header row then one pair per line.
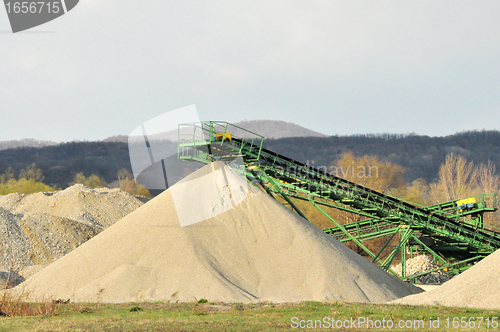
x,y
256,251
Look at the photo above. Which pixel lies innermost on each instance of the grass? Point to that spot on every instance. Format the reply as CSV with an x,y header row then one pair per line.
x,y
229,317
11,306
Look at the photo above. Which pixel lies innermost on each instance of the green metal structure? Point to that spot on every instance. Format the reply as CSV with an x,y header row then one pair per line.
x,y
454,232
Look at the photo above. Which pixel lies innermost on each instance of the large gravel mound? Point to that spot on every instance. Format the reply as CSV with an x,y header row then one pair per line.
x,y
13,243
257,251
95,207
40,228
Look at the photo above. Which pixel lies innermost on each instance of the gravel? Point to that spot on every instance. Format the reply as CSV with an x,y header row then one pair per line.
x,y
40,228
420,264
95,207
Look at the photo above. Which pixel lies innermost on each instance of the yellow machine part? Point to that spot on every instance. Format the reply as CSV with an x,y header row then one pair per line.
x,y
466,201
223,137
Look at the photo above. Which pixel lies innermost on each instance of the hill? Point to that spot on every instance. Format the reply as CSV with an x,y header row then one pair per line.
x,y
420,155
278,129
117,138
266,128
25,142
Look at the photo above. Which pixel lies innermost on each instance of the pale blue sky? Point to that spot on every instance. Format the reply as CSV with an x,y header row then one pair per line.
x,y
338,67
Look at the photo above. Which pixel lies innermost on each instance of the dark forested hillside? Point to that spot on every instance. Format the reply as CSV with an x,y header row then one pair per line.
x,y
420,155
60,163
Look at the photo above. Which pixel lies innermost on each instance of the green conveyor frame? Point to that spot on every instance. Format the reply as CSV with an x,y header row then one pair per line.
x,y
455,238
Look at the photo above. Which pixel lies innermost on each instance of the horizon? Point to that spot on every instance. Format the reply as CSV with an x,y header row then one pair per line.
x,y
369,135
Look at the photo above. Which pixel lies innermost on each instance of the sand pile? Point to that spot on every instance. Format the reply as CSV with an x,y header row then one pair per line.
x,y
475,288
257,251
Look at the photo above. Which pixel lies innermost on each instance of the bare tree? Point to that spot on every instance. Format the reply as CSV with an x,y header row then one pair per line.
x,y
8,175
487,178
31,173
457,178
489,183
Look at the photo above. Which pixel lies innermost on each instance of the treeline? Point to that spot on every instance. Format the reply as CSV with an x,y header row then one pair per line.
x,y
25,142
61,163
30,180
421,156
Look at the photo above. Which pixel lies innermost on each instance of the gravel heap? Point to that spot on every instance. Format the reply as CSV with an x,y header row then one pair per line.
x,y
14,247
477,287
40,228
254,250
95,207
420,264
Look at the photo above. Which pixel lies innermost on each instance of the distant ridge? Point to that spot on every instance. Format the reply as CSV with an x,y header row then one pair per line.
x,y
25,142
420,155
266,128
278,129
117,138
